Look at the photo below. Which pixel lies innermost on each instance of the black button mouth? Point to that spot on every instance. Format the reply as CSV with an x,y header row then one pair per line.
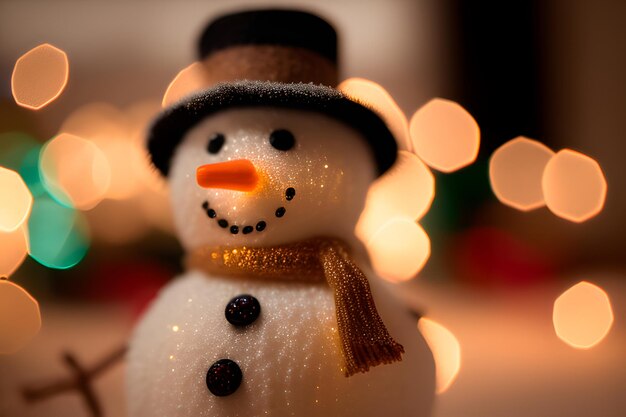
x,y
234,229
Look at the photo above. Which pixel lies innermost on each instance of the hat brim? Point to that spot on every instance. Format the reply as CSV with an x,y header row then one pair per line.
x,y
171,126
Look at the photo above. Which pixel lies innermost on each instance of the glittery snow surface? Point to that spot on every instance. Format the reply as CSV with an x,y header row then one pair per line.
x,y
290,356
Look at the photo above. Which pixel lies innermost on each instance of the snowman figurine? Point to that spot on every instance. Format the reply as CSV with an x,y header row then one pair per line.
x,y
268,171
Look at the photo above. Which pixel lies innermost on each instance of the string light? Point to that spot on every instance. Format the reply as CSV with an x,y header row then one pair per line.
x,y
574,186
20,319
16,200
515,172
444,135
399,250
74,171
582,315
58,235
446,351
406,190
39,76
375,96
107,128
14,248
187,81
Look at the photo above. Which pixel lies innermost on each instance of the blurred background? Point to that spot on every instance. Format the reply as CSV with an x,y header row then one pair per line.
x,y
549,70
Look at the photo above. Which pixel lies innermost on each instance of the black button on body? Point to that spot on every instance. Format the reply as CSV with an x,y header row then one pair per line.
x,y
242,310
223,377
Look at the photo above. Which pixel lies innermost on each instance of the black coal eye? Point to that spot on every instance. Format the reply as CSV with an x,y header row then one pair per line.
x,y
282,139
215,143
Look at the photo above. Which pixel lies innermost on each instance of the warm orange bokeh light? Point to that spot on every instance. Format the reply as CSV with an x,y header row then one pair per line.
x,y
189,80
39,76
20,319
574,186
515,172
406,190
374,96
75,171
14,248
16,200
109,129
399,250
444,135
582,315
446,352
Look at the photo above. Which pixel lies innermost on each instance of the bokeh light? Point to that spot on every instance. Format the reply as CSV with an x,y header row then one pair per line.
x,y
74,171
515,172
16,200
406,190
444,135
20,152
58,235
574,186
39,76
582,315
107,127
375,96
20,319
29,170
446,352
14,248
187,81
14,147
399,250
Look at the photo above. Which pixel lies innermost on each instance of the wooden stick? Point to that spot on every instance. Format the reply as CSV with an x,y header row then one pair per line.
x,y
80,380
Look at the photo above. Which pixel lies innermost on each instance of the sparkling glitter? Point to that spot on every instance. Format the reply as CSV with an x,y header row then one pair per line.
x,y
315,260
289,350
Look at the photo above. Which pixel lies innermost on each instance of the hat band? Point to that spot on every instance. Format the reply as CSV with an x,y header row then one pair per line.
x,y
270,63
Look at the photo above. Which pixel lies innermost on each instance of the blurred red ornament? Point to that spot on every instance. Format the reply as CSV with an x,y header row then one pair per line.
x,y
492,257
134,284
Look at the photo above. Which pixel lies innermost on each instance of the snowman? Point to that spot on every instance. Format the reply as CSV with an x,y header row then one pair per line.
x,y
268,171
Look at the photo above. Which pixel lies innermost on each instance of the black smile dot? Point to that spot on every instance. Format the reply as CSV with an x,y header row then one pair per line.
x,y
260,226
205,205
290,193
234,229
223,223
280,212
247,229
211,213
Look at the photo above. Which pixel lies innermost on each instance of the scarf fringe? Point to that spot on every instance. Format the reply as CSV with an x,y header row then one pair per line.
x,y
365,341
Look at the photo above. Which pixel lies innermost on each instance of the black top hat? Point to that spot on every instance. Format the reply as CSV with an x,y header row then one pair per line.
x,y
270,27
171,126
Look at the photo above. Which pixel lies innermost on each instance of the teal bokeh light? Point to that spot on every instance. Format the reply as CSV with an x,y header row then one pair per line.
x,y
20,152
58,235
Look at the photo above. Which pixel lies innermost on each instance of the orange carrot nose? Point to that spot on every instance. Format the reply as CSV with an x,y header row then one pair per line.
x,y
238,175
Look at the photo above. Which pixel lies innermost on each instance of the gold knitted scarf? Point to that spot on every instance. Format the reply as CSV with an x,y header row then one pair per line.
x,y
365,341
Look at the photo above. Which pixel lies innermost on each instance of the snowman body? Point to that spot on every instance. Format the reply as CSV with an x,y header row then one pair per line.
x,y
312,182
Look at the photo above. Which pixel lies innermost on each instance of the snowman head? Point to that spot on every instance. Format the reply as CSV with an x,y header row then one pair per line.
x,y
241,173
